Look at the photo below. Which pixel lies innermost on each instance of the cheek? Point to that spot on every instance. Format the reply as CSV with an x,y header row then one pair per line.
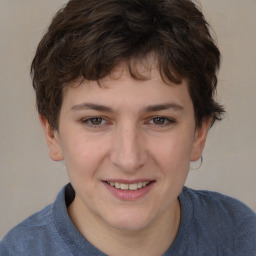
x,y
173,154
82,155
173,148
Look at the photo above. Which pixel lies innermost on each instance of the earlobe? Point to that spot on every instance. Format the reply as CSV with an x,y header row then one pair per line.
x,y
52,139
200,139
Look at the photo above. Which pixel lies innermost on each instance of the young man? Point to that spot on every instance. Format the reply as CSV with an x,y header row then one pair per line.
x,y
125,94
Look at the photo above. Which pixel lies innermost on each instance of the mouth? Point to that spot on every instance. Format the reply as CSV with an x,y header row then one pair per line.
x,y
129,190
129,186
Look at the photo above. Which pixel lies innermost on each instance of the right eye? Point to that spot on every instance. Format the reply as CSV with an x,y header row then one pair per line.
x,y
95,122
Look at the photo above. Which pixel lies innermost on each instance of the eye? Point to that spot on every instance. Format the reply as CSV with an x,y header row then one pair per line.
x,y
161,121
94,121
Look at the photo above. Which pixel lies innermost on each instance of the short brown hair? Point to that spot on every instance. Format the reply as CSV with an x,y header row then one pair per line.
x,y
89,38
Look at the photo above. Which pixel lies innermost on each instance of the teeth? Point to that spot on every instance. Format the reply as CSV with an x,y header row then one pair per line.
x,y
124,186
117,184
133,186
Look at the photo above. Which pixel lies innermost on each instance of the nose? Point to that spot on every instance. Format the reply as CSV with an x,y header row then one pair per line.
x,y
128,148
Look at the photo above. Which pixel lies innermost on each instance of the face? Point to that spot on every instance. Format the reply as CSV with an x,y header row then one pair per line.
x,y
127,147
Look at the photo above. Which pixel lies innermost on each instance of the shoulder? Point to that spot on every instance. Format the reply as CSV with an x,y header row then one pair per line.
x,y
39,233
32,229
229,223
217,204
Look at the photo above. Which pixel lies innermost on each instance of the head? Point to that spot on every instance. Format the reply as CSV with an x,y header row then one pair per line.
x,y
88,39
125,91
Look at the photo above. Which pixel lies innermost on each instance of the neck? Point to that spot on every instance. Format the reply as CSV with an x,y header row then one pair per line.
x,y
161,232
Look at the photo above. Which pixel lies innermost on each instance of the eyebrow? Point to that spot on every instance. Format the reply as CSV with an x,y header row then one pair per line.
x,y
165,106
152,108
93,106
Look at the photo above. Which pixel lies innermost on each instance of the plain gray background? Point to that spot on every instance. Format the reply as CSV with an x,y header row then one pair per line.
x,y
30,180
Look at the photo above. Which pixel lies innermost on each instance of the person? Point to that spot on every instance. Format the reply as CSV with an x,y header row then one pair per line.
x,y
125,92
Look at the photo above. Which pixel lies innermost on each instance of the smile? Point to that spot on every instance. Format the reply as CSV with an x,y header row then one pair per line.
x,y
133,186
129,190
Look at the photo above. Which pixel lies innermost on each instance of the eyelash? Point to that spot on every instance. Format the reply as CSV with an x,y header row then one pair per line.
x,y
88,121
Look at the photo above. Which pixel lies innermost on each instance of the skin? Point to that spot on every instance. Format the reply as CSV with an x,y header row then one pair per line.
x,y
130,130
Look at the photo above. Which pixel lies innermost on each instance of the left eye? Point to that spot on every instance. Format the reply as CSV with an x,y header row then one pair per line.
x,y
161,121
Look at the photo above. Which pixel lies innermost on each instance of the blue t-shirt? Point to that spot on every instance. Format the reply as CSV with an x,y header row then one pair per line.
x,y
211,225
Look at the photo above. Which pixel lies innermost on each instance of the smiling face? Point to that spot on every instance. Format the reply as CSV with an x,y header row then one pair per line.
x,y
127,147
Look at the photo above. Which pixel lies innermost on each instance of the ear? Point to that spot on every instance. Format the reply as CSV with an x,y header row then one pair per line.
x,y
52,139
199,140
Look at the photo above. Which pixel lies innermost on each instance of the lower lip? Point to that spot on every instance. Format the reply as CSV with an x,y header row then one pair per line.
x,y
129,195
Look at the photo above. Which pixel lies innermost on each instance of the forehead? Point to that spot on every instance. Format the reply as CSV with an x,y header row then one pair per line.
x,y
146,68
120,90
139,71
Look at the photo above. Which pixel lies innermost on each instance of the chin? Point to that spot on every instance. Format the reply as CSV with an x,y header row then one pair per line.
x,y
130,222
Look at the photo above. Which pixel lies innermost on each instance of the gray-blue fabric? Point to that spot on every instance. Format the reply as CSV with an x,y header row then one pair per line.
x,y
211,224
